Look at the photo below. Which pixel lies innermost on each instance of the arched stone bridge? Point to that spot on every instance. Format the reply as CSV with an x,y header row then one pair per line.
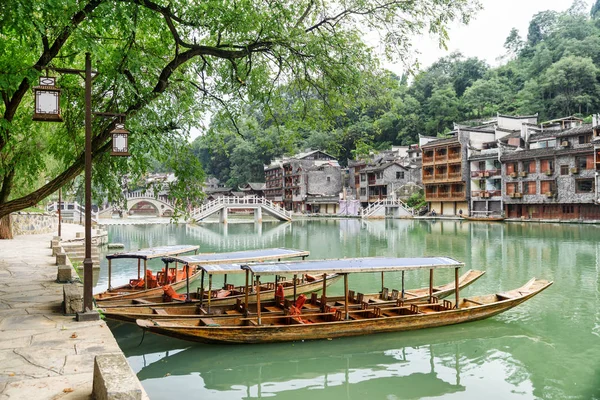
x,y
140,204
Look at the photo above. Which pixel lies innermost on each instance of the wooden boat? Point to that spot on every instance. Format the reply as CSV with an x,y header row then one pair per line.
x,y
194,310
487,218
327,323
178,278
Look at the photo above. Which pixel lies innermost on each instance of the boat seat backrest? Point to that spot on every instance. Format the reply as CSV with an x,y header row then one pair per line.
x,y
434,300
394,294
384,293
364,305
360,297
351,295
376,313
313,298
338,315
399,303
414,308
447,305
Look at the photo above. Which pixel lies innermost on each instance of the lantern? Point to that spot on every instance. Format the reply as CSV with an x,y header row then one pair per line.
x,y
47,100
120,145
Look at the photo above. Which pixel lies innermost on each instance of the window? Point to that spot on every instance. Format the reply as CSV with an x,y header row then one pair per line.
x,y
481,166
363,177
568,209
399,174
497,164
529,187
547,165
510,168
363,191
585,162
587,138
529,166
511,188
584,186
328,179
564,170
547,186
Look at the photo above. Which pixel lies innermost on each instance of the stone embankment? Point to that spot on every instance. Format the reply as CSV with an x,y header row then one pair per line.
x,y
46,354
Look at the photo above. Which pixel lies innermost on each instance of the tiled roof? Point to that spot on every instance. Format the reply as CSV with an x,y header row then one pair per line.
x,y
441,142
547,152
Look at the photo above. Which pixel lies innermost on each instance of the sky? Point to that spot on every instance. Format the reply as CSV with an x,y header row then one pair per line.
x,y
485,35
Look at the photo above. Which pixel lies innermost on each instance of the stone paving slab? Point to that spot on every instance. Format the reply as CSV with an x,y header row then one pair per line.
x,y
43,354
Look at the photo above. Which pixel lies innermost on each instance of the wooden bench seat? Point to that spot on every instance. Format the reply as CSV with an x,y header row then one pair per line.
x,y
160,311
208,322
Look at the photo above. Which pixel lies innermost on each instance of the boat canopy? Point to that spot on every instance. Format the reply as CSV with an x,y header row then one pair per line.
x,y
154,252
354,265
234,257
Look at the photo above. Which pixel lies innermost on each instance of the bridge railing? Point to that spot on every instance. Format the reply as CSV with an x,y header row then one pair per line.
x,y
366,212
240,202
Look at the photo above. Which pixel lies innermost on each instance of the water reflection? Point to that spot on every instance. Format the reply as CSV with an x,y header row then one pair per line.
x,y
432,363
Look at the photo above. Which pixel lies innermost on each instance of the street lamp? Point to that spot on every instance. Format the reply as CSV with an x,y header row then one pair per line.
x,y
47,100
48,109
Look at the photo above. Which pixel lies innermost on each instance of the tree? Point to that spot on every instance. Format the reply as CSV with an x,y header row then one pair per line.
x,y
164,66
513,43
572,84
485,96
594,12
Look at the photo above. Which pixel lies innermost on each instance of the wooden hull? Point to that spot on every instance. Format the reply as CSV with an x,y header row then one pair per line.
x,y
225,306
127,293
275,329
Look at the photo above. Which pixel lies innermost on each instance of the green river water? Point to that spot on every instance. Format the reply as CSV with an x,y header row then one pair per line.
x,y
547,348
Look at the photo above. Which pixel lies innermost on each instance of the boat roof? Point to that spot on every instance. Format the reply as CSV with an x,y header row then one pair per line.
x,y
232,259
354,265
154,252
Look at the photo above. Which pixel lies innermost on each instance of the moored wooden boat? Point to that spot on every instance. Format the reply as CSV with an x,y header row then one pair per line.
x,y
194,310
324,322
178,278
320,325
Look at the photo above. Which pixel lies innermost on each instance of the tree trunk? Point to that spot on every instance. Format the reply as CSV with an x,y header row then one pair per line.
x,y
5,227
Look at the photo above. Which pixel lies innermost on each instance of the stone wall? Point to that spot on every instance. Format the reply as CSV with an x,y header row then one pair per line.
x,y
31,223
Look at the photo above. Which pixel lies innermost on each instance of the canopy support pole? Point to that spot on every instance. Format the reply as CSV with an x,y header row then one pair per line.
x,y
187,283
430,285
456,288
295,279
346,296
402,286
246,292
258,298
110,273
209,290
382,283
324,295
139,266
225,282
145,274
202,289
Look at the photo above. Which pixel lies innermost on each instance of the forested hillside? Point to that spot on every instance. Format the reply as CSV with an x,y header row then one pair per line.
x,y
552,70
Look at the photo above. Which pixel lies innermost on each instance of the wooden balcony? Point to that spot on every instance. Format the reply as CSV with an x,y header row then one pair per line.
x,y
446,196
428,178
454,176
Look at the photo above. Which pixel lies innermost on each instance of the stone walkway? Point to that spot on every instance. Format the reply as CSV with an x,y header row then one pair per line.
x,y
43,354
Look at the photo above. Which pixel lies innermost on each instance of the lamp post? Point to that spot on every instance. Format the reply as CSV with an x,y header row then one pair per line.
x,y
47,108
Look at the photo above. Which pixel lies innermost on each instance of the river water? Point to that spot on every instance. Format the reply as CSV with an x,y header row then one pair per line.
x,y
547,348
